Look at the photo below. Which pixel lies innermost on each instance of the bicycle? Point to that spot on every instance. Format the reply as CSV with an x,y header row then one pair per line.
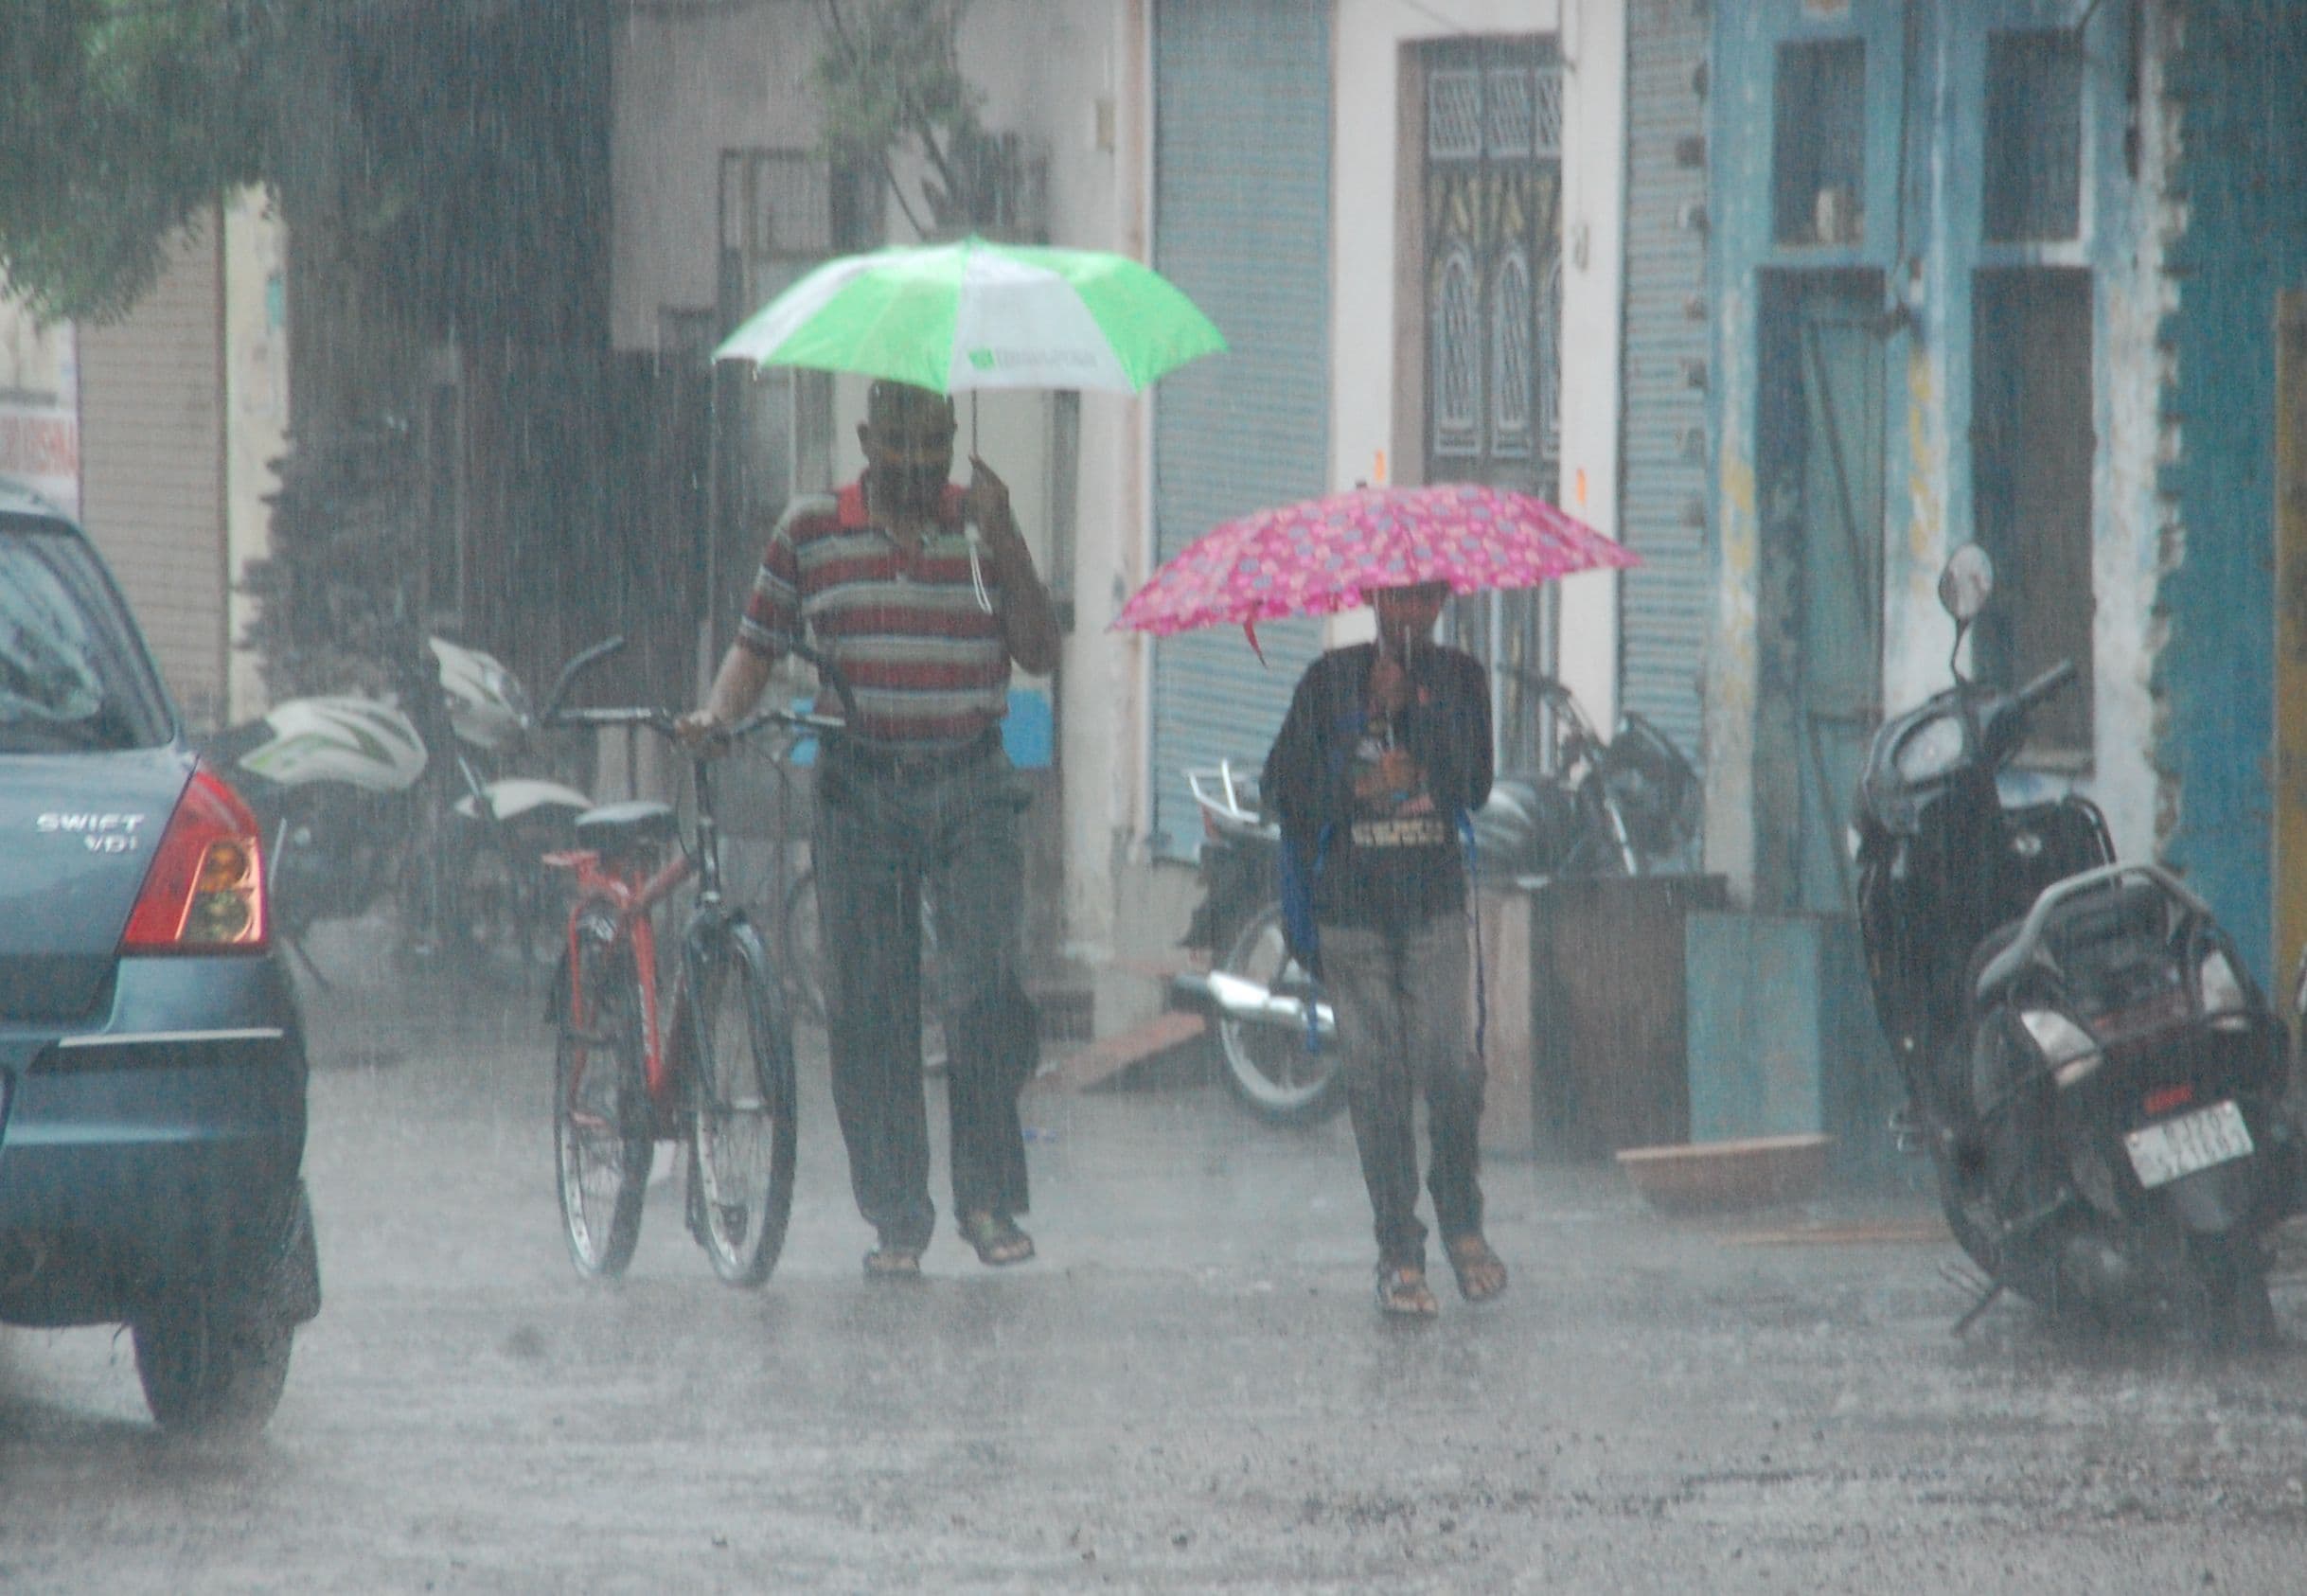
x,y
708,1064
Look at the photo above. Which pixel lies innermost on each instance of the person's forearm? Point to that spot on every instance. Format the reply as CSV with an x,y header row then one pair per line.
x,y
1029,624
737,686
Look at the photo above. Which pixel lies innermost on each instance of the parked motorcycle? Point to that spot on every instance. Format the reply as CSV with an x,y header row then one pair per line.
x,y
2096,1079
1625,806
356,808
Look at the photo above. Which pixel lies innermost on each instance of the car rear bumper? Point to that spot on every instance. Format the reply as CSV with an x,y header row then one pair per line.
x,y
153,1149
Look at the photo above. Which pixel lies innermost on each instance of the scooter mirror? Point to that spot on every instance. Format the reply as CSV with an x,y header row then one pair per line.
x,y
1967,583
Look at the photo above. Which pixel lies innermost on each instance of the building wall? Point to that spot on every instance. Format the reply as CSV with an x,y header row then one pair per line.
x,y
1923,173
40,406
152,453
257,418
1366,171
1070,76
1075,77
2237,89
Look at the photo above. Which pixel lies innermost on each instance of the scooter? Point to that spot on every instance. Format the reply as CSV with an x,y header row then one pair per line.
x,y
1623,805
2094,1077
356,808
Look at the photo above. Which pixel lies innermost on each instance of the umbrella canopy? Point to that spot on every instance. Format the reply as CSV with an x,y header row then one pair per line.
x,y
1316,557
973,314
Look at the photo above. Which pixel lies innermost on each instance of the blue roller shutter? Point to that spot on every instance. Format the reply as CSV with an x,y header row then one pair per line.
x,y
1241,223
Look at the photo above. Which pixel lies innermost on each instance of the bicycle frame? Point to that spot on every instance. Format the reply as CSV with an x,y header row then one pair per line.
x,y
632,900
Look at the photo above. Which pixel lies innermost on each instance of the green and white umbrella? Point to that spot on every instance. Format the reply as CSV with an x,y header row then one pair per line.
x,y
973,314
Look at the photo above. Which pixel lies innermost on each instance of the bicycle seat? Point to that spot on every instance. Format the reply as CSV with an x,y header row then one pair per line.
x,y
638,823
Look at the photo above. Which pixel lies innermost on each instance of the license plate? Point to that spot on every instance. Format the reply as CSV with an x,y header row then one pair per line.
x,y
2164,1151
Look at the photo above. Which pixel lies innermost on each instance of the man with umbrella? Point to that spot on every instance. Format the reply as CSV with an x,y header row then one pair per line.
x,y
922,594
1386,747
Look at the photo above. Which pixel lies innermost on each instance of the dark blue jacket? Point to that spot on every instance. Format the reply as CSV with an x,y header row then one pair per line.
x,y
1309,784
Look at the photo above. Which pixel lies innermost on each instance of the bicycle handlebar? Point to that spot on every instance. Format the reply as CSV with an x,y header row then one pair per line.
x,y
666,723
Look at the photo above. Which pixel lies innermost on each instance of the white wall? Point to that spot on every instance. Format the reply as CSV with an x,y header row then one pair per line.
x,y
40,406
689,83
1072,74
256,419
1364,175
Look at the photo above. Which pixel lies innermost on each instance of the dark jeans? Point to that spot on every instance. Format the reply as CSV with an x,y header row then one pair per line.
x,y
1401,998
885,840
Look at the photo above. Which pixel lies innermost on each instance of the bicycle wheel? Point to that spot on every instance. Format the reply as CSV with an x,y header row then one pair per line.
x,y
603,1133
742,1107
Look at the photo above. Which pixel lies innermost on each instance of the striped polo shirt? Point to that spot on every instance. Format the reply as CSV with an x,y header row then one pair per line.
x,y
926,661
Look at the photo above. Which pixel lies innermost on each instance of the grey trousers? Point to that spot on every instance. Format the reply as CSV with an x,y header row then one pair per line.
x,y
1401,998
884,840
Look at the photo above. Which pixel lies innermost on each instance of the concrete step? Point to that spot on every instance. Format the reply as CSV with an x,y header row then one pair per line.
x,y
1101,1060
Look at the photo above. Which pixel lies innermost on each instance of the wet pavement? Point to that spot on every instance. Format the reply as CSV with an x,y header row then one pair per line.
x,y
1189,1390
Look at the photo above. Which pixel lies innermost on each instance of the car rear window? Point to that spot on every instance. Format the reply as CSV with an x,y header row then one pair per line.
x,y
73,676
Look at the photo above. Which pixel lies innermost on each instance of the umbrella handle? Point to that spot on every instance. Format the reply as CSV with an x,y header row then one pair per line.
x,y
977,574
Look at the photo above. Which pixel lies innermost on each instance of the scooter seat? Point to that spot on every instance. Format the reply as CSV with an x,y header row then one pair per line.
x,y
2130,914
637,823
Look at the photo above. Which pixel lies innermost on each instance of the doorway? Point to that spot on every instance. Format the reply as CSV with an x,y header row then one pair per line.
x,y
1492,188
1820,442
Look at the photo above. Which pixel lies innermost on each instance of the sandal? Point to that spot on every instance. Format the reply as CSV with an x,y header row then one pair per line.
x,y
1402,1291
996,1238
1481,1273
893,1262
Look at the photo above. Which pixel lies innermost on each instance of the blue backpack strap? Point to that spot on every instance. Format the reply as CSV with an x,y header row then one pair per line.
x,y
1300,929
1299,875
1482,996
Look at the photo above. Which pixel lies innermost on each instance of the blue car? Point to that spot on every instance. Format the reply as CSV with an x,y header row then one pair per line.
x,y
152,1058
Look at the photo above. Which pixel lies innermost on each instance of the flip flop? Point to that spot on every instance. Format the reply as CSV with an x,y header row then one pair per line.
x,y
894,1263
996,1238
1481,1273
1402,1292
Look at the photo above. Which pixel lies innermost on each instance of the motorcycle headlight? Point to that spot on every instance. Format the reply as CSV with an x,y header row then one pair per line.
x,y
2224,1002
2066,1047
1930,750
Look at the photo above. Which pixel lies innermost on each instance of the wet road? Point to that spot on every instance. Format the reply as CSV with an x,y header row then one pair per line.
x,y
1190,1391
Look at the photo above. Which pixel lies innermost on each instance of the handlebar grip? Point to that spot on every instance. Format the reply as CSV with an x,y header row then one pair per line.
x,y
2044,685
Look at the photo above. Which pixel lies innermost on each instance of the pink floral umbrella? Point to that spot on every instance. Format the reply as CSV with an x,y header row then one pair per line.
x,y
1316,557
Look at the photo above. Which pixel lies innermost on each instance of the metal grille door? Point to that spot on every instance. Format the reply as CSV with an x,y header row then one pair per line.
x,y
1493,193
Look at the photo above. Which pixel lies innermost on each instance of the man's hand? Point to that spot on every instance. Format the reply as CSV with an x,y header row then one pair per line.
x,y
985,502
1389,685
1027,622
737,686
699,728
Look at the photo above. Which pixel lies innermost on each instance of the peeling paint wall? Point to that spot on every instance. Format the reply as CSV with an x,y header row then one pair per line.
x,y
1925,232
2236,88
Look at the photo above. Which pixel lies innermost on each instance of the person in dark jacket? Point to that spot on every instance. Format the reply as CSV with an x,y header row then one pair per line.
x,y
1385,749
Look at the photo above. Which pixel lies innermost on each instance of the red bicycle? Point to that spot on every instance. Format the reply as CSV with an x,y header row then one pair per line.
x,y
704,1060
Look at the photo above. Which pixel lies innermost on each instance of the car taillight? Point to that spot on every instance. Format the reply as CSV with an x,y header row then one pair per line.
x,y
204,890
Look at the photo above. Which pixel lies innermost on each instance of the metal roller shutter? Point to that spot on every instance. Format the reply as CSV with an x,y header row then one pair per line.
x,y
1663,608
153,466
1241,214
